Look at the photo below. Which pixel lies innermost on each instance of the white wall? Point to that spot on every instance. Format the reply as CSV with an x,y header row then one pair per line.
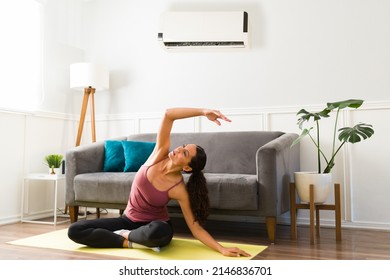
x,y
304,53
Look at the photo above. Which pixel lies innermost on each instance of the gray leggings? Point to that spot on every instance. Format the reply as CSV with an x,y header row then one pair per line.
x,y
99,233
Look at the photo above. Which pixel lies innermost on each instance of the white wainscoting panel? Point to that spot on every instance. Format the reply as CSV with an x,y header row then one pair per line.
x,y
114,128
370,170
239,122
12,126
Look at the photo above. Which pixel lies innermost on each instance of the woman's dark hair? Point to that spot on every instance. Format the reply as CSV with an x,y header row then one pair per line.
x,y
197,186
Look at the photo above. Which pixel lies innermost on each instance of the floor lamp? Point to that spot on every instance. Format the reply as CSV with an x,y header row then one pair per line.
x,y
88,77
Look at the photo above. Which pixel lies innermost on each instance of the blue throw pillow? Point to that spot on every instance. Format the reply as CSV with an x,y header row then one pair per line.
x,y
136,153
114,158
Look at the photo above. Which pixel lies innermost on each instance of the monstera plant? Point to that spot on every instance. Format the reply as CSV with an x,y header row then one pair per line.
x,y
339,137
354,134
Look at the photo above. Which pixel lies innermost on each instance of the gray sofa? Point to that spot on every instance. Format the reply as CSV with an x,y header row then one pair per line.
x,y
248,174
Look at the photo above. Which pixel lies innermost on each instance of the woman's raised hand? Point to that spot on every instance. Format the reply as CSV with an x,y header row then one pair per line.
x,y
215,115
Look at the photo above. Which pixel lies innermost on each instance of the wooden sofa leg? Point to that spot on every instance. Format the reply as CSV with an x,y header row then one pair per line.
x,y
270,222
73,213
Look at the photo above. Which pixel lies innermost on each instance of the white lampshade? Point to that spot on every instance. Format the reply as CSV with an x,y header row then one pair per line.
x,y
84,75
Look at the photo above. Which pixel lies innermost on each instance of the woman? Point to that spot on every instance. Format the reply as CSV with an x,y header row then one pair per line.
x,y
145,222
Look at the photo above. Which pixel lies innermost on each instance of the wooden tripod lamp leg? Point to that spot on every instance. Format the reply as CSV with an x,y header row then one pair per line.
x,y
82,116
92,93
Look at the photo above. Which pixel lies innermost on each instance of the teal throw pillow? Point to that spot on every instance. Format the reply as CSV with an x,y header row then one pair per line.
x,y
114,158
136,154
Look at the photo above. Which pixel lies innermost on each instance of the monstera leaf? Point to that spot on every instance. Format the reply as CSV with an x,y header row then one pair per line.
x,y
306,116
356,134
351,103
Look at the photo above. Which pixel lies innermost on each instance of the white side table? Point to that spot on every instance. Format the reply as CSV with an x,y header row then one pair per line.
x,y
42,177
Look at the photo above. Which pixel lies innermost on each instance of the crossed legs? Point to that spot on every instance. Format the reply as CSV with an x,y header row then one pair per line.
x,y
118,232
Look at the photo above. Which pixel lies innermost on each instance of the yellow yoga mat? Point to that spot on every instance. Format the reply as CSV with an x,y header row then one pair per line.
x,y
178,249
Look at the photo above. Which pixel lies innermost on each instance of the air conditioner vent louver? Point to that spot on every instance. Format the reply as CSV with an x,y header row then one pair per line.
x,y
186,30
204,44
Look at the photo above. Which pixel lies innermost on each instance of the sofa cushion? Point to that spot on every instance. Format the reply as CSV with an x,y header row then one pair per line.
x,y
226,191
126,156
230,191
136,153
104,187
227,152
114,158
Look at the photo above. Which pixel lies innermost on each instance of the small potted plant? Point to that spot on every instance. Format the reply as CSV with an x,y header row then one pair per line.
x,y
54,162
354,134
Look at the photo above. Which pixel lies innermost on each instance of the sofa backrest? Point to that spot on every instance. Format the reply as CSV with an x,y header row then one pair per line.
x,y
227,152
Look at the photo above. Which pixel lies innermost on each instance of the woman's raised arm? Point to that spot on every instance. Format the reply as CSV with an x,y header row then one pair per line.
x,y
163,136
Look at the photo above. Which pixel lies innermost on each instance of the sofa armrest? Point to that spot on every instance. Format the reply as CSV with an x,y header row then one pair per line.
x,y
82,159
276,163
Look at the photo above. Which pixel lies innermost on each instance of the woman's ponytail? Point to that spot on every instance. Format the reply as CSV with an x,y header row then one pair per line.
x,y
197,187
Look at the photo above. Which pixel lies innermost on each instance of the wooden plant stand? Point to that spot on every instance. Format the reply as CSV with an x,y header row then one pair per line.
x,y
314,207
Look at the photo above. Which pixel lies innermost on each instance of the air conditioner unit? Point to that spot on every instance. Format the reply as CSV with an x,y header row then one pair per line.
x,y
188,30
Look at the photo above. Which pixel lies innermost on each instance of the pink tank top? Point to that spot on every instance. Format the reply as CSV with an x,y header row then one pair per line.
x,y
146,203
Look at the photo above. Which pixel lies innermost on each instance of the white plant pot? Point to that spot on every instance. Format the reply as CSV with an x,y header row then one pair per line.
x,y
321,182
57,171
